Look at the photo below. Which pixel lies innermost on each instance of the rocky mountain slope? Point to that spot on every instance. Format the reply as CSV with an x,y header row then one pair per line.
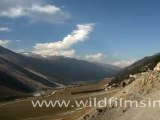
x,y
143,65
144,92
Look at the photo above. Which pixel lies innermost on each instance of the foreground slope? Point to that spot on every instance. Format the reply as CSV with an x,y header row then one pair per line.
x,y
145,88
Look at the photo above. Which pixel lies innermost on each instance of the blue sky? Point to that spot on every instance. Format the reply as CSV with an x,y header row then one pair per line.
x,y
111,31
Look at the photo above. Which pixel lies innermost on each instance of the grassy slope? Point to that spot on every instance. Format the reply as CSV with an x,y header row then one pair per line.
x,y
8,94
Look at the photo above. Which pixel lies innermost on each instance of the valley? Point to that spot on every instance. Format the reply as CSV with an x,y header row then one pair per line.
x,y
29,92
23,109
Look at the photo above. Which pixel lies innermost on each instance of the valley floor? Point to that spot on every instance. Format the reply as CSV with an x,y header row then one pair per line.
x,y
22,109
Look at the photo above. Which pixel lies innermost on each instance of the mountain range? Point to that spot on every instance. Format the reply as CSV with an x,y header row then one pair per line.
x,y
29,73
21,74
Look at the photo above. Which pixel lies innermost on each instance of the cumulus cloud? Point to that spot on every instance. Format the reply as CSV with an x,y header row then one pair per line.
x,y
36,10
63,47
123,63
4,42
5,29
98,57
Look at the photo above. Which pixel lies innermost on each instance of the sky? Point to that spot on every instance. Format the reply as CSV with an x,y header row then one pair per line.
x,y
117,32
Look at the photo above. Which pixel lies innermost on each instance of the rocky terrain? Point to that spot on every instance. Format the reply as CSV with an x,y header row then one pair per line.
x,y
142,65
145,88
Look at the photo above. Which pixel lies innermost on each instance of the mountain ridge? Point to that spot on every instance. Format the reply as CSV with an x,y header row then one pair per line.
x,y
31,74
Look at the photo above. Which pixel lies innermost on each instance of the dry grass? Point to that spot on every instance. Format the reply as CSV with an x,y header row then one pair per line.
x,y
24,109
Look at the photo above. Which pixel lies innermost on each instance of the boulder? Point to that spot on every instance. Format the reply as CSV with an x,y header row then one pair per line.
x,y
157,68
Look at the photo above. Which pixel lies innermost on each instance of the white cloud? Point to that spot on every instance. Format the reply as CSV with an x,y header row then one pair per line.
x,y
13,12
49,9
99,57
78,35
37,11
49,13
123,63
5,29
63,47
4,42
52,52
